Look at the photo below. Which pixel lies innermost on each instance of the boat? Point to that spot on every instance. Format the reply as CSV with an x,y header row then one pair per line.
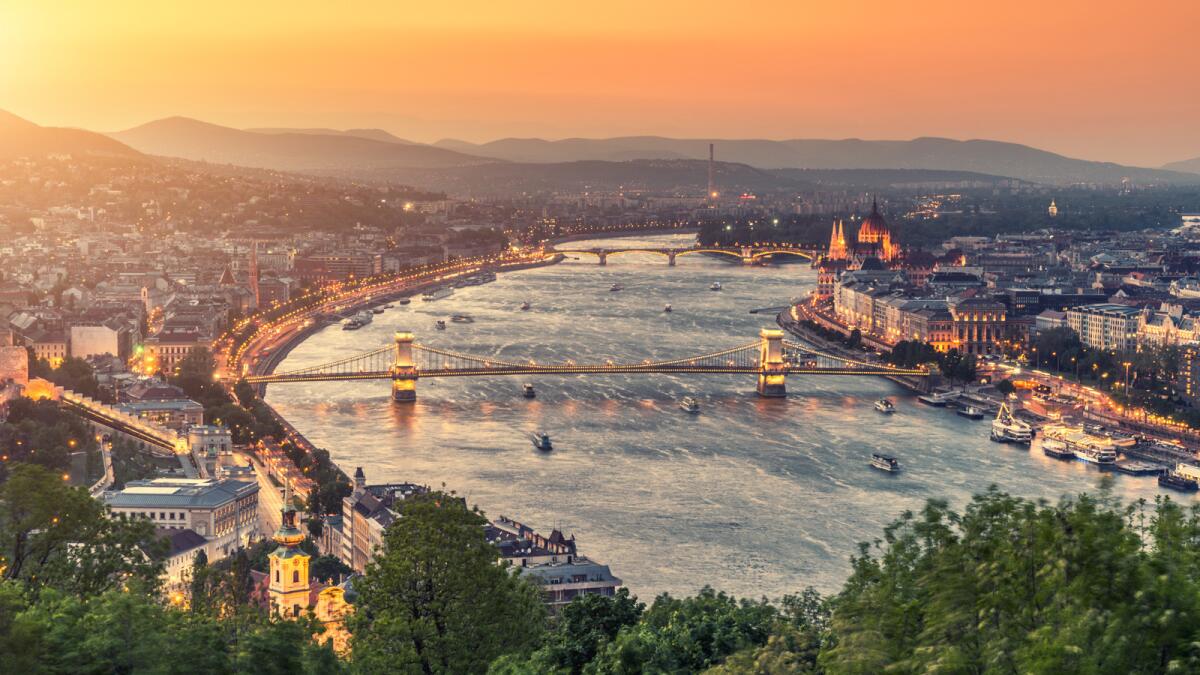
x,y
667,309
541,441
377,310
462,318
935,400
525,306
885,463
716,286
1176,481
1086,446
404,301
440,325
690,404
1006,428
1100,455
970,412
527,391
351,324
615,287
364,317
885,406
1056,449
437,294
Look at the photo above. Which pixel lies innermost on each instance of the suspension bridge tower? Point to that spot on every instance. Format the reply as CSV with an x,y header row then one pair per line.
x,y
772,369
404,370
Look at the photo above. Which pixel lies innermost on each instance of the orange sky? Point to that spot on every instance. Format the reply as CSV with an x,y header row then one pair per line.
x,y
1101,79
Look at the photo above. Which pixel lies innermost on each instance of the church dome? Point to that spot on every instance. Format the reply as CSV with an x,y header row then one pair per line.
x,y
874,227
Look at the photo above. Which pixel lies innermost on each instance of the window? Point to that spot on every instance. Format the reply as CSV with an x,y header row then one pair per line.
x,y
276,576
296,610
295,576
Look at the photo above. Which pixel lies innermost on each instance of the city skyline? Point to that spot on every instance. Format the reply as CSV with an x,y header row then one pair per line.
x,y
1085,81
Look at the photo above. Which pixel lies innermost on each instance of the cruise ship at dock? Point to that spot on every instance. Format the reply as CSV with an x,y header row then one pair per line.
x,y
1089,447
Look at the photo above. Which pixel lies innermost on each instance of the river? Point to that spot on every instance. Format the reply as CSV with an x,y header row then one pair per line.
x,y
754,496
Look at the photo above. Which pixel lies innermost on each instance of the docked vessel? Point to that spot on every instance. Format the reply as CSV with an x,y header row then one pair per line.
x,y
377,310
437,294
1006,428
357,321
615,287
885,406
1184,477
527,391
541,441
667,309
716,286
1089,447
885,463
690,404
935,400
1056,449
404,301
525,306
970,412
440,325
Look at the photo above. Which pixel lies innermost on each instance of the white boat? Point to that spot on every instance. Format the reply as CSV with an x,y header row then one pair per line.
x,y
527,391
667,309
885,463
885,406
716,286
935,400
1093,449
525,306
1006,428
970,412
615,287
541,441
437,294
1056,449
689,404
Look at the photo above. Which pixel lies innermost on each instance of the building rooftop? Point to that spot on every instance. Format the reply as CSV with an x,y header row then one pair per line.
x,y
179,493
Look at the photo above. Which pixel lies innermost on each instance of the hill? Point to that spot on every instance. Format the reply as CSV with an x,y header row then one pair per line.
x,y
21,138
283,150
989,157
684,176
373,134
1187,166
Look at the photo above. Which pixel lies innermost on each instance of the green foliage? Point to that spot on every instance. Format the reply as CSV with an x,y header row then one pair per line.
x,y
43,433
912,353
53,535
581,630
1006,387
687,635
1016,586
436,601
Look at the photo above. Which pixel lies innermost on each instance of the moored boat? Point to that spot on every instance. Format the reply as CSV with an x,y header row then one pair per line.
x,y
404,301
885,406
1177,480
1056,449
1006,428
885,463
970,412
935,400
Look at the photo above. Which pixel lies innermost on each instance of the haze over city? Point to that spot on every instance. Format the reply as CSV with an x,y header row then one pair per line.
x,y
1093,80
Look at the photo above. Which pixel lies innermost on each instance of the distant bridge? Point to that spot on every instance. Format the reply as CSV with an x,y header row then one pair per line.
x,y
770,357
747,254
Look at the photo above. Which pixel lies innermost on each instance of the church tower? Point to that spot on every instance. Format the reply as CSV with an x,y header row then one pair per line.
x,y
289,587
837,243
1053,209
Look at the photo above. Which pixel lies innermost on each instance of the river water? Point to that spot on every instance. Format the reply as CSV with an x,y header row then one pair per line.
x,y
754,496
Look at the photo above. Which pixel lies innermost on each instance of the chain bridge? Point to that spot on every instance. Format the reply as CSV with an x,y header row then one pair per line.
x,y
771,358
747,254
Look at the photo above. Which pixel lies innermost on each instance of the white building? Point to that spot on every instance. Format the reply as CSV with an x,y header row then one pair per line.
x,y
1106,326
225,512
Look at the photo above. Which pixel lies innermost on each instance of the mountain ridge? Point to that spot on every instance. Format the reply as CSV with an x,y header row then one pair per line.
x,y
19,137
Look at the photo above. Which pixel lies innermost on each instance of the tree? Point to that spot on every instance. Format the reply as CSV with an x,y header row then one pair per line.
x,y
58,536
583,627
1006,387
436,601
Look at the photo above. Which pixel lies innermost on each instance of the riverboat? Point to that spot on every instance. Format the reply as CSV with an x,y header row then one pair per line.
x,y
970,412
1099,450
525,306
404,301
541,441
1006,428
615,288
437,294
527,391
690,404
885,463
1056,449
716,286
935,400
885,406
462,318
440,325
1178,481
667,309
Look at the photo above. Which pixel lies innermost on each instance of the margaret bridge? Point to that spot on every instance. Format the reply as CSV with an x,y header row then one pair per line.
x,y
771,358
749,255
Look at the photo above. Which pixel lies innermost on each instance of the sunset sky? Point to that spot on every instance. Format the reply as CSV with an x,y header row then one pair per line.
x,y
1117,81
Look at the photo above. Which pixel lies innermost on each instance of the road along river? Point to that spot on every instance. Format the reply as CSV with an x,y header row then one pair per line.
x,y
754,496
